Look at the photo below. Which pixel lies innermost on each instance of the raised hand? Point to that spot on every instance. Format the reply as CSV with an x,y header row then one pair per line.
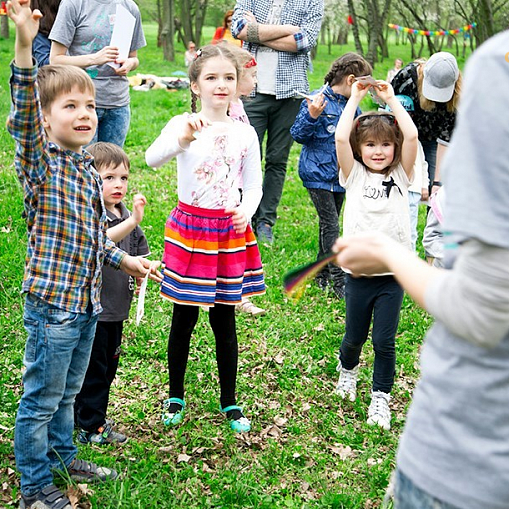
x,y
26,21
139,202
384,90
192,128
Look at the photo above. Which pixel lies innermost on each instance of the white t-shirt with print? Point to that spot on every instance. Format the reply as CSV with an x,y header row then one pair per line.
x,y
373,206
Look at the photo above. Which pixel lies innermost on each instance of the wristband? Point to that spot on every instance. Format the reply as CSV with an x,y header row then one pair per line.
x,y
252,33
437,183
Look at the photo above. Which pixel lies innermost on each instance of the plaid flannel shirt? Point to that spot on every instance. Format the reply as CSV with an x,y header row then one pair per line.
x,y
64,208
292,67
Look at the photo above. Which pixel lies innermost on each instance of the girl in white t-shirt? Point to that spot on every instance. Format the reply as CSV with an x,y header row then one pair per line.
x,y
211,257
376,154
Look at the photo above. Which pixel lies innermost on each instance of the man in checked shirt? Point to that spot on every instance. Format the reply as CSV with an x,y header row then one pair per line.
x,y
53,116
280,35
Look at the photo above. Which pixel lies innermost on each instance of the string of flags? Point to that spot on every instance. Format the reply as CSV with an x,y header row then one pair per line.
x,y
433,33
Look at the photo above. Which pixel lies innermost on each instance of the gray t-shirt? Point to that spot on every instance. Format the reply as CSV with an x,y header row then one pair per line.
x,y
85,27
456,440
118,287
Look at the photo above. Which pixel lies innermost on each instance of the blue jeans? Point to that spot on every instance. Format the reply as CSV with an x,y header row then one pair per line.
x,y
408,496
112,125
379,297
57,353
430,154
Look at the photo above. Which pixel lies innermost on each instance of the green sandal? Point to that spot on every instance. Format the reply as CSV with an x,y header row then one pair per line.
x,y
173,418
240,425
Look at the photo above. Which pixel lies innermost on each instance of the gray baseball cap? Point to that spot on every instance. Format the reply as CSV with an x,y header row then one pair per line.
x,y
440,75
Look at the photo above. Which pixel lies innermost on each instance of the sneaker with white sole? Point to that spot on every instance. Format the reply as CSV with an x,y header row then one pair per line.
x,y
379,412
347,383
103,435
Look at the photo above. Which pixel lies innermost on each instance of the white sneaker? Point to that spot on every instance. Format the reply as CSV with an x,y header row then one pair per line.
x,y
379,411
347,383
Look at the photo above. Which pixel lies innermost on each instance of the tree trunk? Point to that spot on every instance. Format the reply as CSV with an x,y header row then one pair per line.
x,y
4,27
355,28
168,31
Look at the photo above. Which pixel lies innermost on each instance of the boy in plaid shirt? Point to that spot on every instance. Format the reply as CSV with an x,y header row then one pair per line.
x,y
52,117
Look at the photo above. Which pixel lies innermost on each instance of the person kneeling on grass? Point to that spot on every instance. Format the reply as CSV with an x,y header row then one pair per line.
x,y
52,118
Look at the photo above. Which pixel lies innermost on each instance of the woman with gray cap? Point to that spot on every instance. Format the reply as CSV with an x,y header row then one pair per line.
x,y
434,86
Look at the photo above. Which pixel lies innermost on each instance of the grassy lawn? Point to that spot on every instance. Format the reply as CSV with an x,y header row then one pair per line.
x,y
306,449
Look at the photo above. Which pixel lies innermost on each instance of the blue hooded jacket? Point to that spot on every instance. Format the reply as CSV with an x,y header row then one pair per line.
x,y
318,163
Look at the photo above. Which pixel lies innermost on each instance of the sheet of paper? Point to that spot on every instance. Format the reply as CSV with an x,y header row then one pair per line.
x,y
140,309
122,33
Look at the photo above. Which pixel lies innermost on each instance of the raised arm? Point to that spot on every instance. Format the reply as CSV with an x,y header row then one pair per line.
x,y
27,26
344,128
410,135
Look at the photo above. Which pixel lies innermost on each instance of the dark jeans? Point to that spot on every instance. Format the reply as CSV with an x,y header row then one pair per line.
x,y
430,154
92,402
222,321
328,206
379,298
274,117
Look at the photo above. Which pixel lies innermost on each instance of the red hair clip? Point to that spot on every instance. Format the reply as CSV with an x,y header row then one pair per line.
x,y
251,63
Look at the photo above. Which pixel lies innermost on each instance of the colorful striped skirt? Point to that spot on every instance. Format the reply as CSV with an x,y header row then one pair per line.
x,y
206,262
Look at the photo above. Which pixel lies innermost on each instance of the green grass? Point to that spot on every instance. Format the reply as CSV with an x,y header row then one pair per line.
x,y
306,449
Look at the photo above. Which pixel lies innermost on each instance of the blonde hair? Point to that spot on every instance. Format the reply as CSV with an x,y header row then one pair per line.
x,y
426,104
55,80
371,126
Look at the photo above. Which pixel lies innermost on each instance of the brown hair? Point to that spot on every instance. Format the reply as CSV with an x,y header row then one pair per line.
x,y
426,104
202,55
227,14
349,63
107,155
55,80
376,129
49,9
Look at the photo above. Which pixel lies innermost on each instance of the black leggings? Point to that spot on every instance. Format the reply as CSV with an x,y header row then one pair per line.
x,y
222,321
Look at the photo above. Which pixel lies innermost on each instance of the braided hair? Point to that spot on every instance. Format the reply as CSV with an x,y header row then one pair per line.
x,y
204,54
349,63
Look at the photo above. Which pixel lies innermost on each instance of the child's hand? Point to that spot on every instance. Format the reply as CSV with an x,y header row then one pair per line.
x,y
317,105
139,202
359,91
239,219
138,267
139,282
26,21
105,55
193,125
384,90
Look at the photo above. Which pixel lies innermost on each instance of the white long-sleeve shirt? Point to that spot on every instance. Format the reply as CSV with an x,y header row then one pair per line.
x,y
224,158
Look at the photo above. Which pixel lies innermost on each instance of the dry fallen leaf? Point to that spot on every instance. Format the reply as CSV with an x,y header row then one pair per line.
x,y
280,421
183,458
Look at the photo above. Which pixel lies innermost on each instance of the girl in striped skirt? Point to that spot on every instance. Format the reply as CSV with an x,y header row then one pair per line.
x,y
211,257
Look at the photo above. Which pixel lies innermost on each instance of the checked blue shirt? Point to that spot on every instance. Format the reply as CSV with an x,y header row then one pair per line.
x,y
64,208
292,67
